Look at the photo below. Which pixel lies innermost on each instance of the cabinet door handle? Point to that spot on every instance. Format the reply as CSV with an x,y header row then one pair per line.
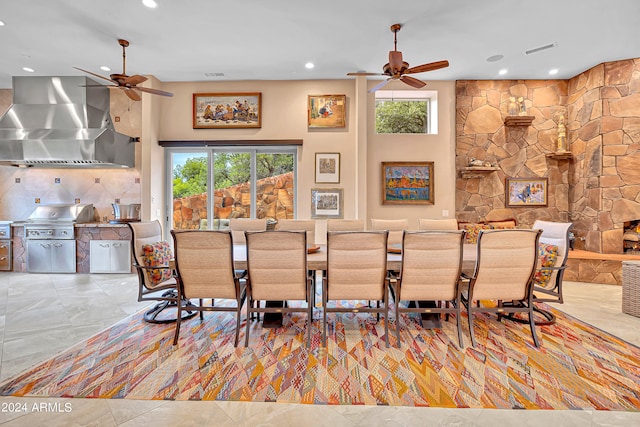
x,y
117,245
3,258
2,246
104,245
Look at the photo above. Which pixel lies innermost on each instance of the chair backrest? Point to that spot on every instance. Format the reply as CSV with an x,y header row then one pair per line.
x,y
345,225
437,224
239,225
356,264
557,234
505,264
204,263
143,233
431,265
277,264
395,227
308,225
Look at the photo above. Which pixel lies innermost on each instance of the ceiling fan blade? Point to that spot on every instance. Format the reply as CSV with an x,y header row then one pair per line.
x,y
154,91
380,85
134,80
412,82
427,67
96,75
132,94
362,73
395,61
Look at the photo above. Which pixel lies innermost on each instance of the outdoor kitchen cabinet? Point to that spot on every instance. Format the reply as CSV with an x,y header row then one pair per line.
x,y
110,256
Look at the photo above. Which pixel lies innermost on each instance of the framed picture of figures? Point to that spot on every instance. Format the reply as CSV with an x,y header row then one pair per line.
x,y
227,110
326,203
326,111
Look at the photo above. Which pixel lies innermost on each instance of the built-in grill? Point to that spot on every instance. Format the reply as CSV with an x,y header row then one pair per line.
x,y
50,237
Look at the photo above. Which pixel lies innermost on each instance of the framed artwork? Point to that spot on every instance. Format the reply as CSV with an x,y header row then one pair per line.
x,y
227,110
407,183
326,202
526,192
327,168
327,111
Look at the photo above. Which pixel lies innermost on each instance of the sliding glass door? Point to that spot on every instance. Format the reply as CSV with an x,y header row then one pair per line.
x,y
229,182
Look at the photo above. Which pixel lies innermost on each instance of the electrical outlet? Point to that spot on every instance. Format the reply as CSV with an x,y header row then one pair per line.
x,y
445,213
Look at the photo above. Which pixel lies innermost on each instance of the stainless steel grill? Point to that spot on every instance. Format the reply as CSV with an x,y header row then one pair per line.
x,y
50,237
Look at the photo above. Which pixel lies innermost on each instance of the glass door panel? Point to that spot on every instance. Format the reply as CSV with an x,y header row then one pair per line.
x,y
189,171
232,187
275,185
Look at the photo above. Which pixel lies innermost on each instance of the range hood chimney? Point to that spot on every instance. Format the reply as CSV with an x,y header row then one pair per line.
x,y
62,122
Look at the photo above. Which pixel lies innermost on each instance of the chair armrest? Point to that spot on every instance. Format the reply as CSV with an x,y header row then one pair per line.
x,y
148,267
562,267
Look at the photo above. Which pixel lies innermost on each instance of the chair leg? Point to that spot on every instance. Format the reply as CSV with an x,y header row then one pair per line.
x,y
532,325
249,307
178,321
459,324
398,325
201,312
386,322
473,338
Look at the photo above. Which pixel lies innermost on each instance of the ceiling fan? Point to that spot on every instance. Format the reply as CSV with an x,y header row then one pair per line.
x,y
397,69
125,82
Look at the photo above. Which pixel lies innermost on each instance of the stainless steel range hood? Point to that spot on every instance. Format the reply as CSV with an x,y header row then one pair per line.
x,y
62,122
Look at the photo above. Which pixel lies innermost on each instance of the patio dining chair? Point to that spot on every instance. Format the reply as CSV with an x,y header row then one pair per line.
x,y
356,270
204,269
425,224
431,267
394,226
156,280
277,271
505,264
554,252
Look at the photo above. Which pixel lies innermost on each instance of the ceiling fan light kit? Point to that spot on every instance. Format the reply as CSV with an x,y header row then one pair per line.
x,y
397,68
127,83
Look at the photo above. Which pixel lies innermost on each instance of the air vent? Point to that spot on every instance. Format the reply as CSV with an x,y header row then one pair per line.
x,y
538,49
214,74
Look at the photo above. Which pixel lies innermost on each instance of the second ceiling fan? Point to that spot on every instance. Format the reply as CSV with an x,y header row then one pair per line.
x,y
397,68
125,82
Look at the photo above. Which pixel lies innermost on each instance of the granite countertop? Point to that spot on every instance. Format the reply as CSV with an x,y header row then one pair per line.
x,y
100,225
80,225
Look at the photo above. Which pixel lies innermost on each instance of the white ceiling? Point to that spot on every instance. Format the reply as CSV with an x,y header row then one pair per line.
x,y
181,40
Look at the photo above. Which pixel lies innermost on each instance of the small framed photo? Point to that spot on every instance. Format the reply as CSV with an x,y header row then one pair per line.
x,y
407,183
526,192
227,110
327,111
327,168
326,203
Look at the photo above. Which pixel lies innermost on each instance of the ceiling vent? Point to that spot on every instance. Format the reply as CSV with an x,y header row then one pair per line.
x,y
538,49
214,74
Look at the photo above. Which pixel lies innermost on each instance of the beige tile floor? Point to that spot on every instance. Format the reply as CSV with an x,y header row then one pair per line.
x,y
41,315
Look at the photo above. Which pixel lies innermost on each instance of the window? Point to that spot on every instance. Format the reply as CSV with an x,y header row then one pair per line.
x,y
406,111
233,182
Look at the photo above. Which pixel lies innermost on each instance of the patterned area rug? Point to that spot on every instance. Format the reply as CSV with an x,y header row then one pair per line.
x,y
577,367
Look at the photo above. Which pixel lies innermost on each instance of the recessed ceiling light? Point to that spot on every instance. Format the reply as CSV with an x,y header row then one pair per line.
x,y
553,71
150,3
105,68
1,23
29,70
309,65
503,71
495,58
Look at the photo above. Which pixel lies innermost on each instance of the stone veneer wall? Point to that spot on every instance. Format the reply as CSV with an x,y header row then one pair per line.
x,y
518,151
274,201
604,133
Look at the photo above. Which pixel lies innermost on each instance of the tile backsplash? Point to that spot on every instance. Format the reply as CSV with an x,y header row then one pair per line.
x,y
20,188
